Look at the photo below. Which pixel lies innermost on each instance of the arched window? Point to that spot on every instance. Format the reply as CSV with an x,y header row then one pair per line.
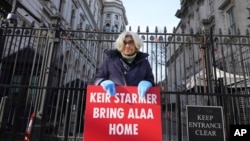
x,y
116,17
115,28
107,27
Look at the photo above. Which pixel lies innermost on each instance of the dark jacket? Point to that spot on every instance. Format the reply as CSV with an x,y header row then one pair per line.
x,y
116,69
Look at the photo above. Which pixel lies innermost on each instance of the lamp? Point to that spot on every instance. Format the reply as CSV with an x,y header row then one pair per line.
x,y
12,18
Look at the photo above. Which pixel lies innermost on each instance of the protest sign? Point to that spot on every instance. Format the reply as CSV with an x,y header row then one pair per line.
x,y
124,116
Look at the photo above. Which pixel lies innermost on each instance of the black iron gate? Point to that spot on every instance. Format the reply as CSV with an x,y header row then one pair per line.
x,y
44,73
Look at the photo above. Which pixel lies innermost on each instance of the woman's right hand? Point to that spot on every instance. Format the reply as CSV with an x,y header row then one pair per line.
x,y
109,87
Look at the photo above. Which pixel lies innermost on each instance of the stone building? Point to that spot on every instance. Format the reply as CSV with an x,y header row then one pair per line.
x,y
221,17
208,53
52,44
69,15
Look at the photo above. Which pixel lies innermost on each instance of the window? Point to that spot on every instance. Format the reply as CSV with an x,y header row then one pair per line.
x,y
108,16
231,19
34,81
82,17
72,18
16,81
19,79
62,7
115,28
211,6
116,17
107,28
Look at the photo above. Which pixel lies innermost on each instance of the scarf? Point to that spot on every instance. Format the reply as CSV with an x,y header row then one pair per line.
x,y
129,59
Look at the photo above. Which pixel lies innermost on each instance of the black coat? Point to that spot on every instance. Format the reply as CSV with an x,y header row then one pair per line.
x,y
116,69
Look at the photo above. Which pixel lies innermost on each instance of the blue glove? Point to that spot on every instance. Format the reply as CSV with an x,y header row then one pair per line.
x,y
143,87
109,87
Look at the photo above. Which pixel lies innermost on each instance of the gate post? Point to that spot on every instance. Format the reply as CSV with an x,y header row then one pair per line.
x,y
45,82
207,55
209,60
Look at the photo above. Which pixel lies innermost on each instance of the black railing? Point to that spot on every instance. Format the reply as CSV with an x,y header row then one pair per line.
x,y
44,74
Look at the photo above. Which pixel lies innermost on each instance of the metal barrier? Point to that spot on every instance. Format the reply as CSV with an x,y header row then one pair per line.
x,y
44,73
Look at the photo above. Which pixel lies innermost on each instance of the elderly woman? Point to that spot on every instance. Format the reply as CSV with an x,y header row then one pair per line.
x,y
126,66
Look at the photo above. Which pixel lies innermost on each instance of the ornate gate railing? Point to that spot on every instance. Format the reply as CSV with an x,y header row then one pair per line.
x,y
44,73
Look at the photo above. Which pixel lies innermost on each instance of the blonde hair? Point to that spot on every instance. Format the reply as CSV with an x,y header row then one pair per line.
x,y
119,43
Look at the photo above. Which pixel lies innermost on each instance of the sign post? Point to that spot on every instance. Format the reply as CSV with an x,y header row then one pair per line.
x,y
205,123
124,116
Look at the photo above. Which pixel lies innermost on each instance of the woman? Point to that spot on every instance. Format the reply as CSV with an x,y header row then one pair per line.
x,y
126,66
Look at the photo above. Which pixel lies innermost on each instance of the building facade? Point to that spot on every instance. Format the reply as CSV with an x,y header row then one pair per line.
x,y
56,45
77,15
206,63
222,17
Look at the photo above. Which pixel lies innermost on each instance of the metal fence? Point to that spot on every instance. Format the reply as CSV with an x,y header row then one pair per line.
x,y
44,74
